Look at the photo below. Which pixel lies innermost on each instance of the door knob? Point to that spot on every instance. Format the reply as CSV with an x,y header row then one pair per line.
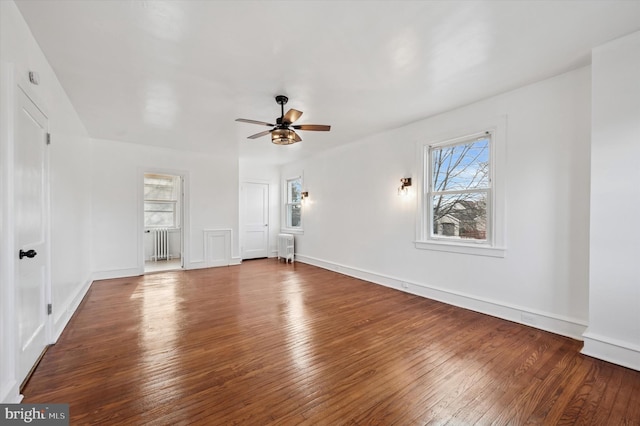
x,y
29,253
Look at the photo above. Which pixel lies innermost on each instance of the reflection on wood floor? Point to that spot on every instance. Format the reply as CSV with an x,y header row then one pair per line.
x,y
271,343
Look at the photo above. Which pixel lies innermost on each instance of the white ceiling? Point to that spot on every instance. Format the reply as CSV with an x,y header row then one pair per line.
x,y
178,73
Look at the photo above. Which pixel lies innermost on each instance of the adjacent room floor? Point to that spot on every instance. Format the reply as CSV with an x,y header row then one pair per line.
x,y
152,266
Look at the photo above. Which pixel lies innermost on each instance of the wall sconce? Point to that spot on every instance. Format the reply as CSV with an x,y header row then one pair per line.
x,y
305,195
405,183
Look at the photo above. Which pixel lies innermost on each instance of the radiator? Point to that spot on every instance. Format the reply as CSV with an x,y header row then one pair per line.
x,y
285,247
160,244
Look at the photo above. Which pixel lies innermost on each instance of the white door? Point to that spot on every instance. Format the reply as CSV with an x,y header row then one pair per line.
x,y
255,220
31,196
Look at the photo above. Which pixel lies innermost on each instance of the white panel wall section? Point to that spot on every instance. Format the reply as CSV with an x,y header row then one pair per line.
x,y
217,247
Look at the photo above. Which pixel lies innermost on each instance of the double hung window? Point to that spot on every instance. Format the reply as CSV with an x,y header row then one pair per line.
x,y
459,190
161,208
462,198
293,204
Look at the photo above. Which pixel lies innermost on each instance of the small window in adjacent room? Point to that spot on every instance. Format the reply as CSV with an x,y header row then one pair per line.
x,y
462,204
161,201
293,206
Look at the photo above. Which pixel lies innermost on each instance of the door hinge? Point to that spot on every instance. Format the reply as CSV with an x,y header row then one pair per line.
x,y
49,309
48,138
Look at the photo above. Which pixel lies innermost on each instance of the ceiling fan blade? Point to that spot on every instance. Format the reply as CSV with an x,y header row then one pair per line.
x,y
297,137
316,127
259,135
262,123
291,116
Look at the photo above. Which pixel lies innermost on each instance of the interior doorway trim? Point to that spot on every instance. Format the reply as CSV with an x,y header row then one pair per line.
x,y
186,238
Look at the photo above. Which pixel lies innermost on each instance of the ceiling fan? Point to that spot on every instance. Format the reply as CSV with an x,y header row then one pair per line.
x,y
283,132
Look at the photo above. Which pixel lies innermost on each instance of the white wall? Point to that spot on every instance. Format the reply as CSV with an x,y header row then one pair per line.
x,y
357,224
254,171
117,169
69,187
614,297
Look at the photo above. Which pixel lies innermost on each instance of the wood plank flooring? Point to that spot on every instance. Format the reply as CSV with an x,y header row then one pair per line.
x,y
270,343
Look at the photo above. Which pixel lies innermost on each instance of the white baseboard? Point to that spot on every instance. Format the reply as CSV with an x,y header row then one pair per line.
x,y
10,393
204,265
63,314
611,350
115,273
569,327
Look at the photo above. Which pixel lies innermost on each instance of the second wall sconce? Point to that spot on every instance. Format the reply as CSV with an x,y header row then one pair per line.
x,y
405,183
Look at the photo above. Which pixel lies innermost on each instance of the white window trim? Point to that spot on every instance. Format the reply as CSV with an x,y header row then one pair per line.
x,y
495,244
285,198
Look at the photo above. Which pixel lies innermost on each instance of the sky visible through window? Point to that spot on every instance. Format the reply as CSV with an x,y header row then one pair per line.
x,y
460,167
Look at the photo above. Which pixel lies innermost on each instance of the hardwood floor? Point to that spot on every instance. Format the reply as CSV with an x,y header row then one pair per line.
x,y
270,343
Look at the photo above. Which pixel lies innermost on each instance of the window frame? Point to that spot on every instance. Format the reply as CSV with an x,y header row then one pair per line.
x,y
288,204
494,245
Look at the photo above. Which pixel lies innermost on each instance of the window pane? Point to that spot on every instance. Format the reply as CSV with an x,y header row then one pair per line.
x,y
462,166
159,187
153,219
159,214
294,216
460,216
294,190
159,207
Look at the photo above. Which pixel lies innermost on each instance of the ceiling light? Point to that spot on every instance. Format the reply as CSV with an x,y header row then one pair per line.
x,y
283,136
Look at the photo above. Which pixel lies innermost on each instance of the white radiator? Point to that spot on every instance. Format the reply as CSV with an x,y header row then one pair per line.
x,y
160,244
285,247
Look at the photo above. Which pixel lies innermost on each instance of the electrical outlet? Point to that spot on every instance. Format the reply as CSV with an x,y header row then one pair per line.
x,y
405,285
528,318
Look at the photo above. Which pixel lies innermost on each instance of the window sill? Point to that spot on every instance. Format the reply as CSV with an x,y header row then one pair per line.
x,y
296,231
473,249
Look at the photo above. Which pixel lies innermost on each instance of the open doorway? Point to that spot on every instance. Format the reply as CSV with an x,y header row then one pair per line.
x,y
163,224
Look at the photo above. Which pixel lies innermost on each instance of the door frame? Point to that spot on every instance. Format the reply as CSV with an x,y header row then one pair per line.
x,y
241,226
184,213
10,84
48,321
9,387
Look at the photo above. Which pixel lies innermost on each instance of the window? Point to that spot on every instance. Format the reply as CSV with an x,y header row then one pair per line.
x,y
459,188
462,203
161,208
293,207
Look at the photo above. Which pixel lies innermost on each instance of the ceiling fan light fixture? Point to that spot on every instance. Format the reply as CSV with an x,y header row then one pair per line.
x,y
283,137
283,133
